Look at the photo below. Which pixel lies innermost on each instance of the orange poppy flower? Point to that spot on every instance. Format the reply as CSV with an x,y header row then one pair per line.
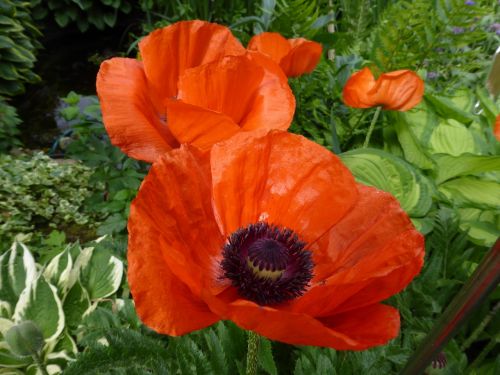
x,y
271,231
295,56
400,90
195,83
496,131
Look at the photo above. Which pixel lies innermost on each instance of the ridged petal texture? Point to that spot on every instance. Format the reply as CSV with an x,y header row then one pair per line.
x,y
400,90
364,247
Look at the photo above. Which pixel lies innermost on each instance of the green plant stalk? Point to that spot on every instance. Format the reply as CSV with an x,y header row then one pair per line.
x,y
483,281
480,328
372,126
39,363
252,353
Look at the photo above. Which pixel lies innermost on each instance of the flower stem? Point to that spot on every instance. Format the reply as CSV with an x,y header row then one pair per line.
x,y
252,353
372,126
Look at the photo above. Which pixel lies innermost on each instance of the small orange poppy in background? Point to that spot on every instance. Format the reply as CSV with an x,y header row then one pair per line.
x,y
295,56
496,131
269,230
400,90
194,83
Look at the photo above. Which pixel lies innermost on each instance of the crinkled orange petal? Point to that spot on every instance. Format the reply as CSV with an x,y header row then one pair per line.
x,y
198,126
229,86
400,90
356,330
130,118
357,90
169,51
273,45
280,178
302,58
497,128
173,214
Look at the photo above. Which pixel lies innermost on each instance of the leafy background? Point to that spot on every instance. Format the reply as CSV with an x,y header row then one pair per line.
x,y
440,160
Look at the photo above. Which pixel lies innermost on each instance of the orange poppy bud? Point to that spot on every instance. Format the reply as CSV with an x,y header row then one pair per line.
x,y
195,83
269,230
400,90
295,56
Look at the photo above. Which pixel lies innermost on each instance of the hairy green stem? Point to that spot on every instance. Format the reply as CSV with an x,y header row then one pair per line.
x,y
372,126
252,353
39,363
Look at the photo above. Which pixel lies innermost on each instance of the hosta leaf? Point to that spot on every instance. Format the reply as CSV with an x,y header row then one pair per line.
x,y
482,226
449,166
392,174
17,271
100,272
39,302
75,304
448,109
58,271
9,360
452,138
472,192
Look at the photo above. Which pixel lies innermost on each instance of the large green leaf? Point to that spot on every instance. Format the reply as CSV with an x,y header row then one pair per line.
x,y
100,272
472,192
17,271
75,305
482,226
448,109
40,303
452,138
449,166
392,174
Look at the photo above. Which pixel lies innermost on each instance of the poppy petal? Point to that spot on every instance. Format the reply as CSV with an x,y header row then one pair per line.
x,y
162,301
174,205
357,92
198,126
169,51
273,45
373,253
400,90
496,131
302,58
357,330
129,116
280,178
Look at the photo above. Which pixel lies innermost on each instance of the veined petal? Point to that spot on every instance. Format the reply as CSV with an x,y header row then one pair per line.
x,y
130,118
302,58
169,51
273,45
400,90
282,179
357,91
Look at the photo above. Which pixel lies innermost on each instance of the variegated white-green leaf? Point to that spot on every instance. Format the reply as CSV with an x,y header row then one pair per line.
x,y
100,272
9,360
17,271
40,303
392,174
51,369
453,138
75,304
58,271
5,325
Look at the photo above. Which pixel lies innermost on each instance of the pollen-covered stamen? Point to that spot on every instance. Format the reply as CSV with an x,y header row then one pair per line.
x,y
267,264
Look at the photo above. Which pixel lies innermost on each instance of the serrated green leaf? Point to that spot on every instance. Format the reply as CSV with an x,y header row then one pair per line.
x,y
266,359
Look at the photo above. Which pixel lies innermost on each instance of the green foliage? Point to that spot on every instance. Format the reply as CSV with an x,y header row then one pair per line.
x,y
8,126
18,43
446,38
85,13
39,193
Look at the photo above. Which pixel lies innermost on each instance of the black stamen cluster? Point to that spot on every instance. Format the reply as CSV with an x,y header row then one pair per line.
x,y
277,251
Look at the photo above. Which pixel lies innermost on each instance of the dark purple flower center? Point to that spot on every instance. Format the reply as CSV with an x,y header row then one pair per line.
x,y
267,264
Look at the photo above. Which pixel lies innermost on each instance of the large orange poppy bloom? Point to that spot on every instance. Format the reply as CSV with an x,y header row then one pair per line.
x,y
400,90
271,231
195,84
295,56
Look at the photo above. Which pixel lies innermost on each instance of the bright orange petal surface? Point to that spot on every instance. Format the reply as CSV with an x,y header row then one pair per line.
x,y
280,178
174,203
168,52
129,116
302,58
198,126
399,91
372,253
497,128
273,45
357,88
